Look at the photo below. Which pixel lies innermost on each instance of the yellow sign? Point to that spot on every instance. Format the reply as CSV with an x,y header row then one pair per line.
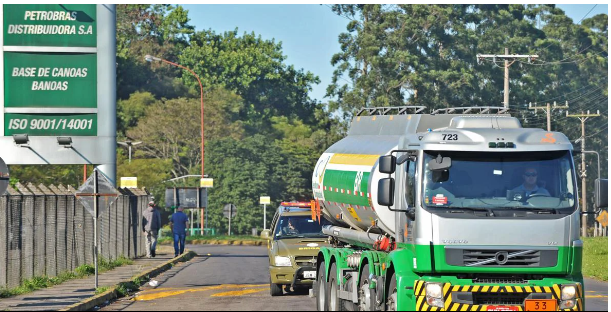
x,y
353,214
206,182
129,182
603,218
265,200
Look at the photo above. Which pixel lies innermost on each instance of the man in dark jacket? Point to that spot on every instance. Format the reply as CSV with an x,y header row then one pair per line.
x,y
151,223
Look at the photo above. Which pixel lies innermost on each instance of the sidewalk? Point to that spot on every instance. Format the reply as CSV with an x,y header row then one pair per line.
x,y
73,291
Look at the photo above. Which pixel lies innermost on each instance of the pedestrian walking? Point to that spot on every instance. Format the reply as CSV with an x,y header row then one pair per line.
x,y
151,223
179,222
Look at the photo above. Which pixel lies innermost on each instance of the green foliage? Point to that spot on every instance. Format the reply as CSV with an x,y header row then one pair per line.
x,y
48,174
595,257
254,69
131,110
40,282
85,269
101,290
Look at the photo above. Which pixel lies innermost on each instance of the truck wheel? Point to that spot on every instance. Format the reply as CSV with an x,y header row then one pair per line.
x,y
335,303
275,289
320,289
366,298
391,299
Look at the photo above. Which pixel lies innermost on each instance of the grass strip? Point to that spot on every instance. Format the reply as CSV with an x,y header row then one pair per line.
x,y
41,282
595,257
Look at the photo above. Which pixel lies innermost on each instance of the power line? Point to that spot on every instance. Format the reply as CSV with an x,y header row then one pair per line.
x,y
584,17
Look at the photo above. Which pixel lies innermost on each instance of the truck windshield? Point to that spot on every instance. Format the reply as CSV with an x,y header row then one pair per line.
x,y
299,226
541,182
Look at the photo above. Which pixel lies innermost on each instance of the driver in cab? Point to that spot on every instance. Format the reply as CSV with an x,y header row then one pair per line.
x,y
529,187
290,229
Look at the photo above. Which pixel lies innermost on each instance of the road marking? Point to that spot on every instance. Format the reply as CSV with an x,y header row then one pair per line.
x,y
237,293
596,296
154,294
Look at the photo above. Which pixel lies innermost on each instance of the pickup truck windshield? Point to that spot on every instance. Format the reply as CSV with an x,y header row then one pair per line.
x,y
539,182
299,226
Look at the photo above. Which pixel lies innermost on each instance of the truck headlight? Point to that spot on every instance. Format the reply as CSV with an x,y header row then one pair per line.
x,y
434,295
569,292
434,290
282,261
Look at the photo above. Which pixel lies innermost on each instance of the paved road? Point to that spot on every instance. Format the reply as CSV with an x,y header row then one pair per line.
x,y
234,278
231,278
597,295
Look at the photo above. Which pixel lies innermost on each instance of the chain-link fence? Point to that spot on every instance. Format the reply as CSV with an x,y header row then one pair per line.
x,y
45,231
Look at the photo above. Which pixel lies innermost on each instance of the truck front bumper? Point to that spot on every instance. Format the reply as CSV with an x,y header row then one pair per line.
x,y
495,297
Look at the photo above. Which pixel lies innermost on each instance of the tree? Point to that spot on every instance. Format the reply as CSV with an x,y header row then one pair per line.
x,y
160,30
171,129
254,69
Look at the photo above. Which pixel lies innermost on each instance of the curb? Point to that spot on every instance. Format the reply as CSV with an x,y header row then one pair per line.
x,y
222,242
111,294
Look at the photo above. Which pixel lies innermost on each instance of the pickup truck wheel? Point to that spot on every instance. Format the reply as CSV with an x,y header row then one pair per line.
x,y
320,289
275,289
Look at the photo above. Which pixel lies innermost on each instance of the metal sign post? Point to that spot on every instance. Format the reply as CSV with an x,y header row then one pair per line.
x,y
95,226
264,200
230,211
96,186
265,216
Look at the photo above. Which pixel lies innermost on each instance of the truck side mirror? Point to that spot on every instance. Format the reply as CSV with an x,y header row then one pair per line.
x,y
265,234
386,192
601,193
387,164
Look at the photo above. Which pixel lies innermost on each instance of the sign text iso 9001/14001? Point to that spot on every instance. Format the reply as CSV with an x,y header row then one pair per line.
x,y
51,124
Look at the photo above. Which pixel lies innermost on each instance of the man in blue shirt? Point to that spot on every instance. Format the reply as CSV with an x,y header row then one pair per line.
x,y
530,187
179,222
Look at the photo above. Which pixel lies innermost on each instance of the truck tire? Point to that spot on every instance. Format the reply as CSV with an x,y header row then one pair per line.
x,y
335,304
391,295
320,289
275,289
366,296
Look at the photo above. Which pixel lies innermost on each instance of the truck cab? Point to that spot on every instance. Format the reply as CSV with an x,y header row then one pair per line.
x,y
294,240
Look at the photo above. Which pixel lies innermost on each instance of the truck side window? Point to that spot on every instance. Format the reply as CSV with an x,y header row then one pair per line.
x,y
410,183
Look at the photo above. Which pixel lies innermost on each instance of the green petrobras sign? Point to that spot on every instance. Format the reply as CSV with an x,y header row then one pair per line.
x,y
52,25
52,80
51,124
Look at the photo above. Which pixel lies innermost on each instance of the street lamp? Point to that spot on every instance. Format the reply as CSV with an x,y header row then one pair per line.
x,y
129,145
150,58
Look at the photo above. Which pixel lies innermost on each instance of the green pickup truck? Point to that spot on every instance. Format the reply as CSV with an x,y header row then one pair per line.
x,y
293,243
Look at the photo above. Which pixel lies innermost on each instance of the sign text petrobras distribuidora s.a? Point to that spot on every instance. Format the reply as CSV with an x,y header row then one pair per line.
x,y
54,25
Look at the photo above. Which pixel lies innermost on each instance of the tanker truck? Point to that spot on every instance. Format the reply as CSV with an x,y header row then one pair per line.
x,y
459,209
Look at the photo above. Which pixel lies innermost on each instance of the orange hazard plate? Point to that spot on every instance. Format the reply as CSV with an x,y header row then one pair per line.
x,y
540,305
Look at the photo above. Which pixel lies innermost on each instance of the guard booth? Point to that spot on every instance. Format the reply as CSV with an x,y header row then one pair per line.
x,y
195,201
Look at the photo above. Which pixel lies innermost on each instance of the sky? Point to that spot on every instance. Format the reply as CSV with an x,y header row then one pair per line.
x,y
308,32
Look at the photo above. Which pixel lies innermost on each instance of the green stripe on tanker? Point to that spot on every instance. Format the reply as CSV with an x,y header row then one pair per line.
x,y
346,180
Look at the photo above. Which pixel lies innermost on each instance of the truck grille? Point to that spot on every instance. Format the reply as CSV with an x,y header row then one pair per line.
x,y
491,257
502,258
305,261
499,280
499,298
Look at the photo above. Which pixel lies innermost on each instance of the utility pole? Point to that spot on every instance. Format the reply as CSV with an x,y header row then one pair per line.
x,y
583,117
548,109
509,60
